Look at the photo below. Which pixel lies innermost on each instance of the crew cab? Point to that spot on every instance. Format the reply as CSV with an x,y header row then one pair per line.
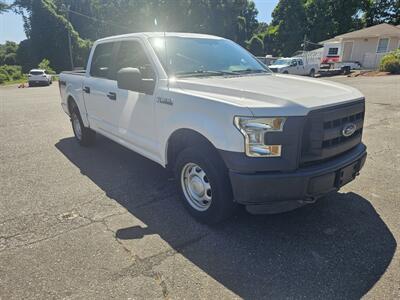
x,y
294,65
233,132
39,77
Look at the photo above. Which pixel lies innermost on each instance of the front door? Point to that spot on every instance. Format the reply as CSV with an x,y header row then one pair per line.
x,y
347,50
132,113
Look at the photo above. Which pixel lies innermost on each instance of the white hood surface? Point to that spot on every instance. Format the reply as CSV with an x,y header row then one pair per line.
x,y
271,94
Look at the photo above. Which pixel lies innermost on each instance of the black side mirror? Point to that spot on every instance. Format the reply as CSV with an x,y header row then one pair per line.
x,y
130,79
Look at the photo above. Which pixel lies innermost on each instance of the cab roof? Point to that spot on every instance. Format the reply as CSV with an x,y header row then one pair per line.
x,y
160,34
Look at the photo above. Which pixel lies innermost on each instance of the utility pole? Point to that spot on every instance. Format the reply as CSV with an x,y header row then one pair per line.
x,y
69,40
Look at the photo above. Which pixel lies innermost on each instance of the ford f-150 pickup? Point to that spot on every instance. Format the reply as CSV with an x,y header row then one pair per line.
x,y
233,132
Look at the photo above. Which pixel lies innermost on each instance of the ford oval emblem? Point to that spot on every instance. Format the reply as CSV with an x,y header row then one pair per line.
x,y
349,129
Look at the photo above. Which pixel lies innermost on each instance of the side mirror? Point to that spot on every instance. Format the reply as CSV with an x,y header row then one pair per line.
x,y
130,79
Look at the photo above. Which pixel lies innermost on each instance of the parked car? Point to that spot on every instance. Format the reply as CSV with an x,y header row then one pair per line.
x,y
232,132
294,65
39,77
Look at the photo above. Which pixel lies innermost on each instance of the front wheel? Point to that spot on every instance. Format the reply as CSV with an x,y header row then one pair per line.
x,y
204,184
85,136
312,73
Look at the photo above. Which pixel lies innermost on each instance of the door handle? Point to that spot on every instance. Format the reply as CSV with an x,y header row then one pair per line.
x,y
112,96
86,89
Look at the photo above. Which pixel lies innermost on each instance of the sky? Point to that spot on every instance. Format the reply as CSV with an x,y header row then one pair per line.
x,y
11,25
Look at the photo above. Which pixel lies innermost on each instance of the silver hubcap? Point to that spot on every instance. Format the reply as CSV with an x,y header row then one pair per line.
x,y
196,187
77,126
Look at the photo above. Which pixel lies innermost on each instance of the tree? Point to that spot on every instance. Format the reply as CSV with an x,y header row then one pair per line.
x,y
256,46
45,65
3,7
381,11
289,21
8,53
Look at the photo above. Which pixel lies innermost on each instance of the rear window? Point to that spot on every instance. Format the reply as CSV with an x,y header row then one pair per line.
x,y
36,72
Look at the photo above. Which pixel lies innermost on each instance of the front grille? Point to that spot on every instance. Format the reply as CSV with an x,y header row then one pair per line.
x,y
323,137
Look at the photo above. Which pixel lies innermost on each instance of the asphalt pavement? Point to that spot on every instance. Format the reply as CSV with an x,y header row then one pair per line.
x,y
104,222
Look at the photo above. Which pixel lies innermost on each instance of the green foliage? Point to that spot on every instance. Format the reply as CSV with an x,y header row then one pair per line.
x,y
289,19
47,23
45,65
3,8
256,46
381,11
391,62
8,53
10,73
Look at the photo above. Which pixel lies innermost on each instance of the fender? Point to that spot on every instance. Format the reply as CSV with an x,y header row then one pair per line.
x,y
192,112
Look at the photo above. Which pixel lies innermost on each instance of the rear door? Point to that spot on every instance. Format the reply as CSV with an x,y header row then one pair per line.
x,y
96,87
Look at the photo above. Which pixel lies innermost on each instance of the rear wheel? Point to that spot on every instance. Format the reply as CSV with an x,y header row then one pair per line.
x,y
204,183
312,73
85,136
285,72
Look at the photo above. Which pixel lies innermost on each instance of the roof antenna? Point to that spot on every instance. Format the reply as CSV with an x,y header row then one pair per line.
x,y
166,53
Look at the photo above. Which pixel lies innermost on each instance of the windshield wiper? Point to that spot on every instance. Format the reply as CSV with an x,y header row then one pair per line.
x,y
203,73
249,71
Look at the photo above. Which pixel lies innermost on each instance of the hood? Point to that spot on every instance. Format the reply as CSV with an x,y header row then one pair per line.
x,y
271,94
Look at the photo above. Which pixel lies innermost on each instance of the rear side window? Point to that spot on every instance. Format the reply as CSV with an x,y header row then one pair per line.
x,y
101,60
131,54
36,73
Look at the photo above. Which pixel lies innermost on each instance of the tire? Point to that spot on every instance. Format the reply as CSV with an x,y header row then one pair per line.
x,y
312,73
285,72
85,136
210,178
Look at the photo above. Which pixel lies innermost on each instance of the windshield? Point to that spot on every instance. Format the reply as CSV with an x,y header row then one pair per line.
x,y
204,57
283,61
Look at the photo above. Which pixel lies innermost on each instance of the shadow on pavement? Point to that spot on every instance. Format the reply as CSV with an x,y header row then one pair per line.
x,y
335,249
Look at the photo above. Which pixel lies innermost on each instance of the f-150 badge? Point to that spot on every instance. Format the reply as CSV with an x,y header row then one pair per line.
x,y
163,100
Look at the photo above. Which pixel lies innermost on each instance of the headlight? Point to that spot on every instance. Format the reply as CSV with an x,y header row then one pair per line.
x,y
254,129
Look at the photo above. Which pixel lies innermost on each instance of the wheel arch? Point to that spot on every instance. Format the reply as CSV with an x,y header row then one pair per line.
x,y
183,138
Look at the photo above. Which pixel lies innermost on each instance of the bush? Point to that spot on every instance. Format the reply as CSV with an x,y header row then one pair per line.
x,y
3,78
10,73
256,46
391,62
45,65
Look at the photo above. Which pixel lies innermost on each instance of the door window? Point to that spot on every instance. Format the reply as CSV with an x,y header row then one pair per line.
x,y
101,60
300,62
132,55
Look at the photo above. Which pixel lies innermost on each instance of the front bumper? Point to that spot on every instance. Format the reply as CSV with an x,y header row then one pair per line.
x,y
296,188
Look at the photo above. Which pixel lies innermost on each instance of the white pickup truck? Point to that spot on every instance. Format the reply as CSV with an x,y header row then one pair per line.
x,y
233,132
294,65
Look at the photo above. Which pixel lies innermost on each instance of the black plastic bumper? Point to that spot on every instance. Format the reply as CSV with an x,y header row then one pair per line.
x,y
308,183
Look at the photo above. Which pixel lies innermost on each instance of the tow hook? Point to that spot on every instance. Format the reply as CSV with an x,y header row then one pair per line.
x,y
308,200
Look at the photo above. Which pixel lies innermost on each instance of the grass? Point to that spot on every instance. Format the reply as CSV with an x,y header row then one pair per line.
x,y
22,80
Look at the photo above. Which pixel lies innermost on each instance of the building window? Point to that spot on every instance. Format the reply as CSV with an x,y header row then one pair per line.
x,y
333,51
382,45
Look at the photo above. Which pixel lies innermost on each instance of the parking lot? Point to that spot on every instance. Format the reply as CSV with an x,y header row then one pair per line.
x,y
104,222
